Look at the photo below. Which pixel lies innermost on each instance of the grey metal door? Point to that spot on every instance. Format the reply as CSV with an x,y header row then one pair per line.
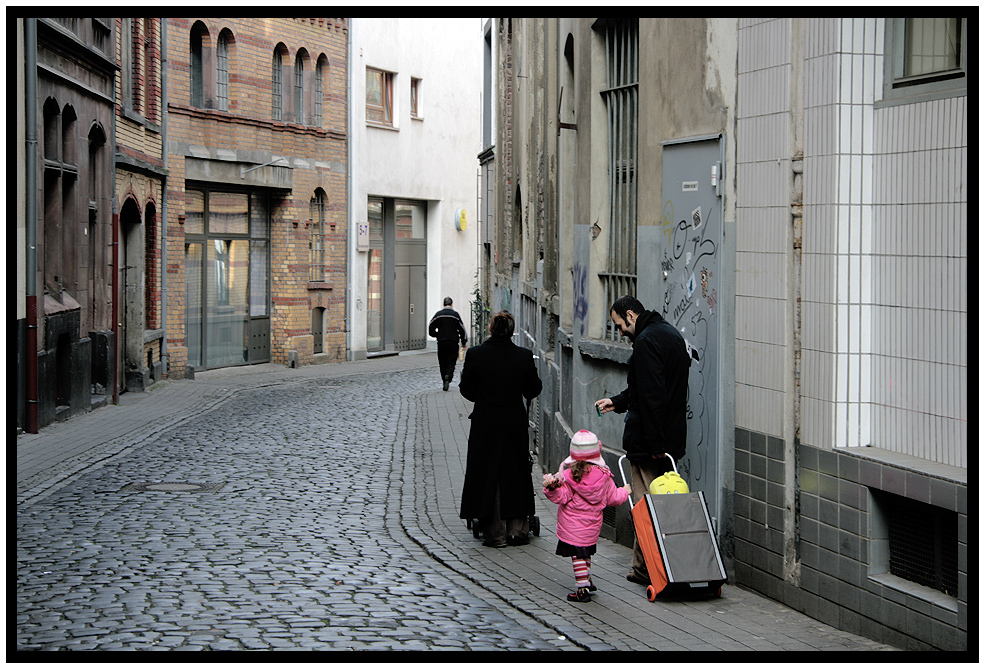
x,y
692,227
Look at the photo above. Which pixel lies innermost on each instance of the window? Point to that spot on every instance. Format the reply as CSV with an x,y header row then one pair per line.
x,y
126,61
276,84
319,92
222,71
926,59
415,98
199,36
620,95
379,96
299,88
317,242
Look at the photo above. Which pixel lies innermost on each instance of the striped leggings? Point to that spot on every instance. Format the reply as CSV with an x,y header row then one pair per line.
x,y
583,571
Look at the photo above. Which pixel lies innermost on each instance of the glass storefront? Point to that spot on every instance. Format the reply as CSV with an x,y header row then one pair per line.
x,y
374,299
227,261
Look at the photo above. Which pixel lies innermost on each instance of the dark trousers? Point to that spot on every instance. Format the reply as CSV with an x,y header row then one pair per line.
x,y
447,357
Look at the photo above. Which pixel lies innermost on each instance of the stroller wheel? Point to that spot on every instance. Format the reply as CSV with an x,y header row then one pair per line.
x,y
535,525
474,524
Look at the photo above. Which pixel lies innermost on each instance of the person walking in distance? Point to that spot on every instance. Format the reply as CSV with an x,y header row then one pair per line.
x,y
498,490
654,401
582,488
446,326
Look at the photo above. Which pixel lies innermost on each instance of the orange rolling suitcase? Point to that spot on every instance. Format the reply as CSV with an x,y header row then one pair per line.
x,y
678,542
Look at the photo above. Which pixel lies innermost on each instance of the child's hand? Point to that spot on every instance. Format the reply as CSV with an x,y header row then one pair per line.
x,y
628,488
552,482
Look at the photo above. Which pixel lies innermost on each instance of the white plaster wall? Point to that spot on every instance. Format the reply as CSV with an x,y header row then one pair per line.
x,y
433,159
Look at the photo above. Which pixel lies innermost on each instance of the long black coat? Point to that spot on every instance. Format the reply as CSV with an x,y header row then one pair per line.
x,y
497,376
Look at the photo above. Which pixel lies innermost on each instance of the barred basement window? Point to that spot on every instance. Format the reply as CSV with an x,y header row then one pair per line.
x,y
922,541
621,102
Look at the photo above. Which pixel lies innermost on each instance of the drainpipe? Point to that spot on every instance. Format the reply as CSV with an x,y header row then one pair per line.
x,y
350,245
31,214
115,265
164,195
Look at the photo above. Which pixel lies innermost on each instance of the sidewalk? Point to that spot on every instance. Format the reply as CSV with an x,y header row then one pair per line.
x,y
531,579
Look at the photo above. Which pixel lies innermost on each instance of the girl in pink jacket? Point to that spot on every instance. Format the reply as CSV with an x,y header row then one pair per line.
x,y
582,491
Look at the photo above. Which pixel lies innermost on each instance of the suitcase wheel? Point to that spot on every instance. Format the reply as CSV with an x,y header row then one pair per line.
x,y
651,593
719,592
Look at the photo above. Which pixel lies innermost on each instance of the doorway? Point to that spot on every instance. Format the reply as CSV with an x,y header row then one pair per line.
x,y
396,318
692,225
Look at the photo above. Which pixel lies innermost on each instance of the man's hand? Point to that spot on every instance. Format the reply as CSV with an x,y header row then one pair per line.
x,y
605,405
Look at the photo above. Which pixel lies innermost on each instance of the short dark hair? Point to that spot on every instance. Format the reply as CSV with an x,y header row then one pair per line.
x,y
625,304
502,324
447,302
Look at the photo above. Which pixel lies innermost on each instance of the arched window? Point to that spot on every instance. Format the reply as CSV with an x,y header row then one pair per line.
x,y
299,88
319,92
198,59
277,82
317,240
222,70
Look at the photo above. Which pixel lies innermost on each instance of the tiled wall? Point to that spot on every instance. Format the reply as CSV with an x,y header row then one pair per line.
x,y
834,582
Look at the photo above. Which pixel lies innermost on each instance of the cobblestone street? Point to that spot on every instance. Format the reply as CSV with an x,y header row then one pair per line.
x,y
300,547
317,509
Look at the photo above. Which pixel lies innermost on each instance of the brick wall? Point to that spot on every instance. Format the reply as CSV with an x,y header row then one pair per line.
x,y
317,155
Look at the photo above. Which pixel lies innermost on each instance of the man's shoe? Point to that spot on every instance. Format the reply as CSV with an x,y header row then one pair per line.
x,y
516,540
492,545
633,577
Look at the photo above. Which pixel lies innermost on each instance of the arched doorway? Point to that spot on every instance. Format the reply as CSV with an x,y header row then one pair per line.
x,y
132,319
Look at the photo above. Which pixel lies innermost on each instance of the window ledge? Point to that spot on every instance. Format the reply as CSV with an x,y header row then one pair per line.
x,y
911,463
916,590
605,350
319,285
381,126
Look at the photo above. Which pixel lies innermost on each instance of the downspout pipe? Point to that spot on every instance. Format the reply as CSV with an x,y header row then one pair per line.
x,y
164,196
115,263
31,214
350,242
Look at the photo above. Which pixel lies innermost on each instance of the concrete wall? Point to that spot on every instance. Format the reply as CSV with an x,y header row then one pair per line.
x,y
431,158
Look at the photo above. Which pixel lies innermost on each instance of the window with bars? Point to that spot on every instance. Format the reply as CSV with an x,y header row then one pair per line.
x,y
319,92
621,102
299,89
222,72
921,541
316,243
277,106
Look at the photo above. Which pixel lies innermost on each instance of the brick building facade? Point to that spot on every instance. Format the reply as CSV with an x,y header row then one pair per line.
x,y
140,178
256,192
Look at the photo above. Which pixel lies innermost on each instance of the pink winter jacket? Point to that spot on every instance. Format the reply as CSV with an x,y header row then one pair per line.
x,y
580,504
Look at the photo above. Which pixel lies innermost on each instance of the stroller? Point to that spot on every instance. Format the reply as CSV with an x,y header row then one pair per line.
x,y
474,524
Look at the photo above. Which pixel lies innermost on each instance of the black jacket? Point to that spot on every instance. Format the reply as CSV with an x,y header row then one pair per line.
x,y
446,325
656,396
498,376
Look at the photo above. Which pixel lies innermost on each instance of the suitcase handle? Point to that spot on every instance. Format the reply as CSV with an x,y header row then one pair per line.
x,y
623,472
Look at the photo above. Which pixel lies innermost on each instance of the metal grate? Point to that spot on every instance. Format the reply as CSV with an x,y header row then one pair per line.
x,y
923,543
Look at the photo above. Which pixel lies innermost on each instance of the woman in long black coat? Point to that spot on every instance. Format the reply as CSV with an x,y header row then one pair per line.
x,y
498,375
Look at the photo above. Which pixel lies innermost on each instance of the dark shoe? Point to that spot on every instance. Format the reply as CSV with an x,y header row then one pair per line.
x,y
582,595
591,587
492,545
633,577
516,540
445,387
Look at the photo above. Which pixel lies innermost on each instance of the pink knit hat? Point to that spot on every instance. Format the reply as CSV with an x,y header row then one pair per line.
x,y
585,446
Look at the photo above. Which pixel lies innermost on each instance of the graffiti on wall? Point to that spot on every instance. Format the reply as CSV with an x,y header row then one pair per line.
x,y
581,295
690,303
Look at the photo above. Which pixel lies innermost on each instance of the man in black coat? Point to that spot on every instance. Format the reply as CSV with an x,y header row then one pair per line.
x,y
655,399
446,326
499,377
